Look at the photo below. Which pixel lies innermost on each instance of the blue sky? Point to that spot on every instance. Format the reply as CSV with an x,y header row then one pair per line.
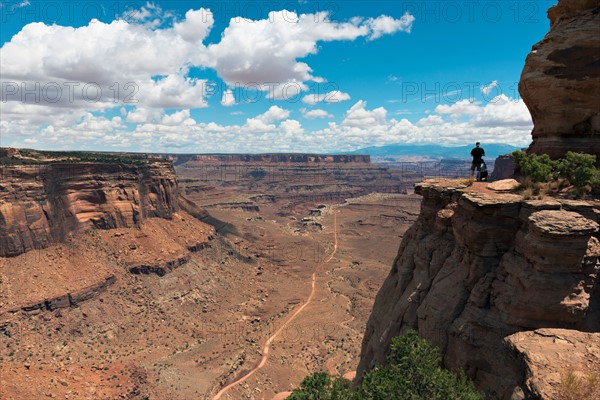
x,y
254,76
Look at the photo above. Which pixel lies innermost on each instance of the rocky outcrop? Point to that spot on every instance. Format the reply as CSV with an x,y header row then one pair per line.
x,y
66,300
161,268
477,267
560,82
550,356
504,168
9,152
42,204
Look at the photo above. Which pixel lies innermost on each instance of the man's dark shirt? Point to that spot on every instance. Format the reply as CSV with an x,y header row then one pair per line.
x,y
477,153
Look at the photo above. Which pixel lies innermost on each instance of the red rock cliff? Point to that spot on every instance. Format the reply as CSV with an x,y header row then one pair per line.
x,y
476,268
560,82
41,204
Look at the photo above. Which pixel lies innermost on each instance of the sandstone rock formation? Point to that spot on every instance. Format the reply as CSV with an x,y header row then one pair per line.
x,y
504,168
41,204
560,82
250,182
477,267
550,355
504,185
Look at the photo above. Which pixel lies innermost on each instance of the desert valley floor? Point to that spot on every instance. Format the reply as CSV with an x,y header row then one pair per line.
x,y
264,295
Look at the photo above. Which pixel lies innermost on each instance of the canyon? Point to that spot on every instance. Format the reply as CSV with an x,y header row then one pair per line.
x,y
115,284
293,182
207,276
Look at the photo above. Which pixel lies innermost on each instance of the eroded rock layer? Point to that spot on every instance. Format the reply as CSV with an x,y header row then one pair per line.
x,y
477,267
41,204
560,82
554,357
250,184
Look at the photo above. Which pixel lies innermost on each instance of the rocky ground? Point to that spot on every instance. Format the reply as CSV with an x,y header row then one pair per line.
x,y
171,309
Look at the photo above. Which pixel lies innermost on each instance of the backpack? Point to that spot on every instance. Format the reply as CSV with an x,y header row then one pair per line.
x,y
483,175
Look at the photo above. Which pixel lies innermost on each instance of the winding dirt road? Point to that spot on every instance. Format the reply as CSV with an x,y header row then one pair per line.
x,y
267,346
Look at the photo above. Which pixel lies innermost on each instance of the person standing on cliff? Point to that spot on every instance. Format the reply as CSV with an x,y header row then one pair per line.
x,y
477,153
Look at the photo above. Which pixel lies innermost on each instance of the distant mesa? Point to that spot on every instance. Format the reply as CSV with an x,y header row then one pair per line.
x,y
434,151
266,158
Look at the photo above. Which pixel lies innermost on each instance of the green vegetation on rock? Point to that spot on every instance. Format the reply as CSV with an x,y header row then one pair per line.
x,y
576,169
412,371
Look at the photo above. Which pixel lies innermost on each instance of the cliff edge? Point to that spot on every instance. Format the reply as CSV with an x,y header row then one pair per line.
x,y
560,82
41,204
479,266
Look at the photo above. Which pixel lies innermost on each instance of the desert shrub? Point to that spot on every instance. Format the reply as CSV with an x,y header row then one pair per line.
x,y
595,183
573,387
539,168
540,172
412,371
578,168
320,386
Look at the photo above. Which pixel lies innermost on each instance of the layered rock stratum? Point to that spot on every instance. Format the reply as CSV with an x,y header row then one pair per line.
x,y
59,219
560,82
292,181
479,266
43,203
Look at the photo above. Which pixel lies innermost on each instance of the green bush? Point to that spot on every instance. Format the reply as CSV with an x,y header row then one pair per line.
x,y
578,168
595,182
412,371
539,168
320,386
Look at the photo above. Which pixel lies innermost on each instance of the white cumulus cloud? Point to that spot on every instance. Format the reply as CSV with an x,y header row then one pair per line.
x,y
334,96
274,113
178,118
316,113
430,120
196,25
460,108
385,25
359,116
504,120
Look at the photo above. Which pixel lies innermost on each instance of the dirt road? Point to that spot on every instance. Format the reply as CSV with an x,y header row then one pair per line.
x,y
267,346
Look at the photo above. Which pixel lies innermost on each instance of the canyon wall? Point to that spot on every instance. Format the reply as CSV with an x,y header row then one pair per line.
x,y
41,204
295,182
276,158
560,82
477,267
